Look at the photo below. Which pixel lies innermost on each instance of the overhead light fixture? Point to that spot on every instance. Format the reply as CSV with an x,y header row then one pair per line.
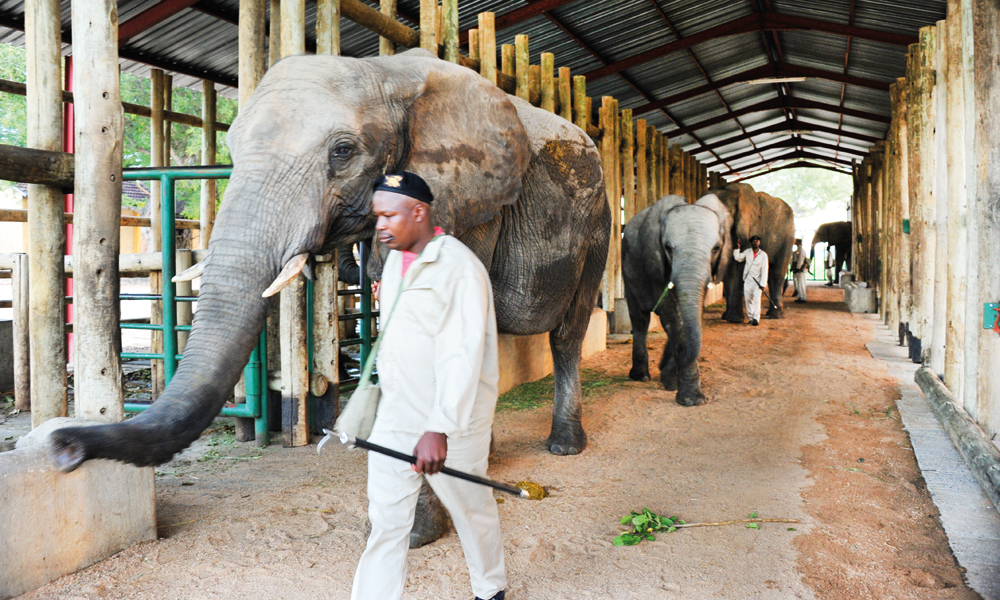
x,y
773,80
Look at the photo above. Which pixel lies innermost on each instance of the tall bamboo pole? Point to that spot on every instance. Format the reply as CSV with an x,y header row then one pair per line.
x,y
386,47
608,151
986,208
47,237
580,101
548,90
328,28
565,94
97,194
293,27
521,67
449,29
274,33
488,47
954,362
208,156
428,25
641,165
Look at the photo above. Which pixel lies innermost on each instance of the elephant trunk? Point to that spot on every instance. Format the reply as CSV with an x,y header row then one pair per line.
x,y
226,327
690,289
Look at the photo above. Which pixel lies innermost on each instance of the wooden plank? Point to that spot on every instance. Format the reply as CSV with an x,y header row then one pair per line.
x,y
43,167
294,365
326,344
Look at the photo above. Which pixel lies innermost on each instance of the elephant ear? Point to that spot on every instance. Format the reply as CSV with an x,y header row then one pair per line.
x,y
467,142
721,264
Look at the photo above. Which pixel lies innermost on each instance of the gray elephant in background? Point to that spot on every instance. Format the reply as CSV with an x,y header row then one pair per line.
x,y
521,187
686,245
838,235
757,213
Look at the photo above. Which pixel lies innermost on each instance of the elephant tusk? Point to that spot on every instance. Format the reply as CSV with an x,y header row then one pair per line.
x,y
288,274
193,272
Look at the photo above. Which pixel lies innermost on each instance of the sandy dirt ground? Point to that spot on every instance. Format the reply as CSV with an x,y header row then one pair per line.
x,y
800,424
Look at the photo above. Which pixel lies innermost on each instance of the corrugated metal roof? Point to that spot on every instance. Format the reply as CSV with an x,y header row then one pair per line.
x,y
201,42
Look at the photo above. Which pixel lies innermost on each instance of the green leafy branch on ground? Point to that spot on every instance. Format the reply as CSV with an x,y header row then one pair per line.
x,y
537,393
646,524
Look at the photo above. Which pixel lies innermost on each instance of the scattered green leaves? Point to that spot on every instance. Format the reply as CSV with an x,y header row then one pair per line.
x,y
539,393
645,525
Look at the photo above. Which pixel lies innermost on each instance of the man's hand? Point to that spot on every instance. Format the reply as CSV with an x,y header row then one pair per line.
x,y
762,287
430,451
376,286
739,246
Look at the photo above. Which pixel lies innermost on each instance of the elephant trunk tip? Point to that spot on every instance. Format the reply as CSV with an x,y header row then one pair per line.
x,y
67,451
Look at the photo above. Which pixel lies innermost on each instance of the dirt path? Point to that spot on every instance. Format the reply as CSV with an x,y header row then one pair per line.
x,y
800,424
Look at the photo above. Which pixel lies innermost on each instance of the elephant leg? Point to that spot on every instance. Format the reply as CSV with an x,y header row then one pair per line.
x,y
776,307
689,390
733,291
640,356
431,519
669,315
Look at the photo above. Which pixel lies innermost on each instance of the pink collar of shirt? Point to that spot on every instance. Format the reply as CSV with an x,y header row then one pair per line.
x,y
409,257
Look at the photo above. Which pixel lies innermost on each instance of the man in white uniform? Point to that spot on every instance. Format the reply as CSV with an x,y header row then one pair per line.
x,y
438,372
800,266
754,275
831,266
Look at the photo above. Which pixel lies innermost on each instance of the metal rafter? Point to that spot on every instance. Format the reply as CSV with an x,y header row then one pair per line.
x,y
795,154
785,126
796,165
151,17
790,142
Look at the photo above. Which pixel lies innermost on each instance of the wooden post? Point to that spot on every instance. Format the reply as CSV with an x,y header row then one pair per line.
x,y
580,102
565,94
508,62
157,145
616,240
326,343
521,67
641,165
97,195
293,27
608,150
628,165
183,261
488,47
328,28
294,365
449,29
253,53
46,234
534,84
973,308
986,207
208,153
676,171
702,179
939,193
385,46
954,360
20,328
474,44
168,105
655,149
548,90
428,25
274,40
923,210
588,110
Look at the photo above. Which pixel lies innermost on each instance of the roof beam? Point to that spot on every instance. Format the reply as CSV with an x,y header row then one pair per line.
x,y
791,142
764,21
796,165
781,104
787,126
800,154
519,15
151,17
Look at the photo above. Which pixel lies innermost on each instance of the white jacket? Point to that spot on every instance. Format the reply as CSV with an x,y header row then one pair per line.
x,y
755,266
437,364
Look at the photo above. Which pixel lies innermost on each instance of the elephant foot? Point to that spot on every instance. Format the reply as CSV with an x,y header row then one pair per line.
x,y
732,318
775,314
637,374
691,397
567,439
669,380
431,519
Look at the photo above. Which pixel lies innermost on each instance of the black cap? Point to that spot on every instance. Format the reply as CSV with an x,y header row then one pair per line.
x,y
406,183
756,237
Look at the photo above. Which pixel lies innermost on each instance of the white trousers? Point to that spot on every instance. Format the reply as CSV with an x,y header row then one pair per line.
x,y
800,285
392,498
751,293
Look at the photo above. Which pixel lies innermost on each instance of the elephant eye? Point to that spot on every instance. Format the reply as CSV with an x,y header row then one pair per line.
x,y
342,151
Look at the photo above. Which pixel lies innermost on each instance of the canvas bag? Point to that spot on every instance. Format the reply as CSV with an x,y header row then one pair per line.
x,y
358,417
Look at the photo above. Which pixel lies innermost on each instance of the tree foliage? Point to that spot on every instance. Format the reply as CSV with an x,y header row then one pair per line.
x,y
185,141
807,191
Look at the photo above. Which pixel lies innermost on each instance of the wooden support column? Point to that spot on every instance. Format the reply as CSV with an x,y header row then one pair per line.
x,y
521,67
294,365
939,189
628,166
449,29
915,146
986,207
641,165
474,44
580,102
904,243
428,25
328,28
20,333
655,149
971,42
386,47
253,52
957,212
924,219
208,154
608,152
46,234
548,90
274,33
293,27
676,171
157,145
508,60
565,94
488,47
702,179
534,85
183,261
588,111
97,193
326,344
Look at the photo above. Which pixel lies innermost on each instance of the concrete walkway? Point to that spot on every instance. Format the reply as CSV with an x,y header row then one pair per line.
x,y
970,521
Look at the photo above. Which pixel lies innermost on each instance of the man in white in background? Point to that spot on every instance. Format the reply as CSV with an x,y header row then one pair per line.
x,y
754,275
831,265
438,373
800,266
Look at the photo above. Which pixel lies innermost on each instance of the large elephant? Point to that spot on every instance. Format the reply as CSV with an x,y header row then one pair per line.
x,y
687,245
838,235
757,213
520,186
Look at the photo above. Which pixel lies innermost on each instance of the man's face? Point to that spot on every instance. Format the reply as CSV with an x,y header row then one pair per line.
x,y
755,244
401,219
